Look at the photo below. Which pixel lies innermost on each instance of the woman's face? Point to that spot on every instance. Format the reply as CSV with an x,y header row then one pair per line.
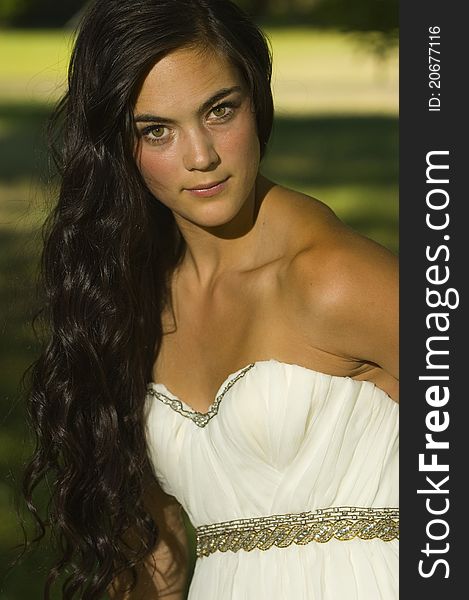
x,y
198,148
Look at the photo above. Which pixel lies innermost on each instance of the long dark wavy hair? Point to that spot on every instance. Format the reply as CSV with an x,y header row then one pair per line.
x,y
109,253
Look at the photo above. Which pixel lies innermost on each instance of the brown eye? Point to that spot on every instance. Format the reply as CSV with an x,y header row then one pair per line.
x,y
220,111
157,132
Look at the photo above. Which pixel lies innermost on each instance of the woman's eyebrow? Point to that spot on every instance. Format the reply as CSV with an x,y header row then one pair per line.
x,y
148,118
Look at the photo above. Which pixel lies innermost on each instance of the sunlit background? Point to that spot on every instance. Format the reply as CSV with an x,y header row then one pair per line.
x,y
335,137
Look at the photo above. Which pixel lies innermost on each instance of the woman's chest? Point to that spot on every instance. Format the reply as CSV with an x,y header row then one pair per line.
x,y
209,336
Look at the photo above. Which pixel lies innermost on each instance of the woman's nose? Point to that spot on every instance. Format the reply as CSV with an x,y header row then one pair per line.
x,y
199,151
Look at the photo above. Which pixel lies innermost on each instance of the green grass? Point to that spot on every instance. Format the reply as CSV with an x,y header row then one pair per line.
x,y
335,138
348,162
327,72
314,71
33,64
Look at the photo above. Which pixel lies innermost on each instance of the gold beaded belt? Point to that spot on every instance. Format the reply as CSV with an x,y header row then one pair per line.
x,y
341,522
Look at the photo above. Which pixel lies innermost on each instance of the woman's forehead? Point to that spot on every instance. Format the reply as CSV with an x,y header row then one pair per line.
x,y
186,78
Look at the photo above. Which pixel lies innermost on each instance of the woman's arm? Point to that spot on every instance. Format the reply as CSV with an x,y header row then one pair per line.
x,y
346,293
164,573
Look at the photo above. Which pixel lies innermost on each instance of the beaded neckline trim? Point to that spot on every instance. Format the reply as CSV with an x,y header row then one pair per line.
x,y
199,418
341,522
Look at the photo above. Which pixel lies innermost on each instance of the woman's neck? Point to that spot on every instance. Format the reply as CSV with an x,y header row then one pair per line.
x,y
214,251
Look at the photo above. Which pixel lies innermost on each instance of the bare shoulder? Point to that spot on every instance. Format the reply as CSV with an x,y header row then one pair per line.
x,y
296,219
340,262
315,239
342,285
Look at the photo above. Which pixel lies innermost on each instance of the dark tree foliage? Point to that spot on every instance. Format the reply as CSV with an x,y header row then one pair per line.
x,y
38,13
349,15
357,15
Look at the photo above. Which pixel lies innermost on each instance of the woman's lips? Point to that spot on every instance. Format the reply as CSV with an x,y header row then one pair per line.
x,y
208,189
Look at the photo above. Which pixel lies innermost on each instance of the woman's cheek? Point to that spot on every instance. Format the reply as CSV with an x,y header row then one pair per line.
x,y
156,170
241,142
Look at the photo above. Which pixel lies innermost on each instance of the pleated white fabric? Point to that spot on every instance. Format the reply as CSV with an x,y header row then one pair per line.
x,y
285,439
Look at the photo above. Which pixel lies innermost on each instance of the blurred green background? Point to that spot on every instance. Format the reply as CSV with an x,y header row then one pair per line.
x,y
335,137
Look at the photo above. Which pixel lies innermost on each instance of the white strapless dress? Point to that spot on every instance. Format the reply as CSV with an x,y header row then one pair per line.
x,y
282,439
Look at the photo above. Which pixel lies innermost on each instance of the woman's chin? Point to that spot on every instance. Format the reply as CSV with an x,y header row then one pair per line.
x,y
213,216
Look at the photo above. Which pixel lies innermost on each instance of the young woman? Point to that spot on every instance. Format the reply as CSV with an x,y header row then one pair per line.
x,y
217,341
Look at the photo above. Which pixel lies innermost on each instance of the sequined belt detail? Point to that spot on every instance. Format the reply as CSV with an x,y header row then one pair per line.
x,y
342,523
